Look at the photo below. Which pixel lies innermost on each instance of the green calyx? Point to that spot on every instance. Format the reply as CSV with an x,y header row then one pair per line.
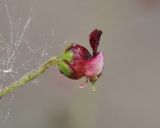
x,y
65,69
68,56
63,65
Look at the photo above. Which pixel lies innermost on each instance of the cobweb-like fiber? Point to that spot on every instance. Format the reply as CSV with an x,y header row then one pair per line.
x,y
17,54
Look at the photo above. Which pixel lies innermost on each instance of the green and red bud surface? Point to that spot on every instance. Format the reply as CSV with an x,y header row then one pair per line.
x,y
78,62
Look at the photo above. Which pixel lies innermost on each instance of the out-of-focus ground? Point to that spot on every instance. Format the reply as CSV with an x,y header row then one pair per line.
x,y
128,93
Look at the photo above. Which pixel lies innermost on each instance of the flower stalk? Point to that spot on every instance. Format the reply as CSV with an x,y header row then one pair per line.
x,y
29,76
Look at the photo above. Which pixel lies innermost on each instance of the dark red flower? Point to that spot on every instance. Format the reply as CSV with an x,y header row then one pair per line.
x,y
77,61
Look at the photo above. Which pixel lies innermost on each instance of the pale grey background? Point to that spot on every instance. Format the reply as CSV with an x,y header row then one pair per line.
x,y
127,94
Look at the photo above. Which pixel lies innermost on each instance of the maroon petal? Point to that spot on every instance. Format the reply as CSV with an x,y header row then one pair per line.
x,y
94,38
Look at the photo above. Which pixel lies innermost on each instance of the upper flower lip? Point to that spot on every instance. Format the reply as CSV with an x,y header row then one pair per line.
x,y
94,39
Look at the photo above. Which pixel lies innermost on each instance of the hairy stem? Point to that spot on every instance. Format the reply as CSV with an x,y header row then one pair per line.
x,y
29,76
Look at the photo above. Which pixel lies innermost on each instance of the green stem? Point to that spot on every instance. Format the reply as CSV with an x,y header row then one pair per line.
x,y
29,76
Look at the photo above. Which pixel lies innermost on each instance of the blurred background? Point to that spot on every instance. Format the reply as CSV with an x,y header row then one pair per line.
x,y
127,94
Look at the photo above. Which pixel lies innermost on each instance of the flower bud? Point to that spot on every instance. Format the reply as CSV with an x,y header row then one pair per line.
x,y
73,61
77,61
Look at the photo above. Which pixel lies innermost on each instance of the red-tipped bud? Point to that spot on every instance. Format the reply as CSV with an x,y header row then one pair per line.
x,y
77,62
